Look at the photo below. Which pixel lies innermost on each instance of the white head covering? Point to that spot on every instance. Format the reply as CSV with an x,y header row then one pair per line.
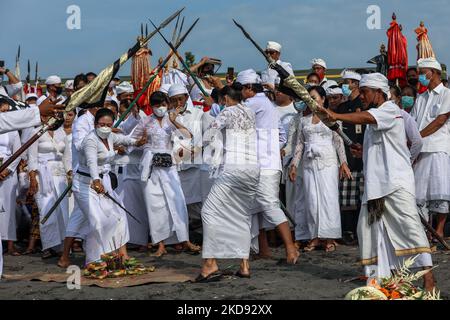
x,y
272,45
112,98
31,95
176,89
319,62
334,91
329,83
248,76
69,84
124,87
349,74
269,78
165,88
430,63
375,81
53,80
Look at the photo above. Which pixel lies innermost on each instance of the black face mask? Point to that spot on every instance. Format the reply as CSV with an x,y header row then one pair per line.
x,y
59,90
208,72
126,102
413,82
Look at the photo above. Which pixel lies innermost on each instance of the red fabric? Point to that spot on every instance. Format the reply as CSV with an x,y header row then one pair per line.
x,y
421,89
204,106
32,89
397,52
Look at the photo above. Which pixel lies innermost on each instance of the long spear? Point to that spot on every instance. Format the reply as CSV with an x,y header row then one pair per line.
x,y
94,93
333,126
182,61
36,78
122,117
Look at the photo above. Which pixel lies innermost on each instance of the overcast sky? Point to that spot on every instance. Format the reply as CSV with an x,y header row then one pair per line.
x,y
334,30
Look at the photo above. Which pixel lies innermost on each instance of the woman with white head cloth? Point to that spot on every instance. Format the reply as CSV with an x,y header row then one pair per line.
x,y
108,227
389,227
323,161
227,212
165,203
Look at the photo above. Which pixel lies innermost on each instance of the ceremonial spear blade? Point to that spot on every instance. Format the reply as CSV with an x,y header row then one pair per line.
x,y
247,35
28,75
182,62
174,34
36,74
122,117
162,25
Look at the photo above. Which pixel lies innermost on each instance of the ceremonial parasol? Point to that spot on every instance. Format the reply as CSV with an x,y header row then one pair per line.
x,y
397,51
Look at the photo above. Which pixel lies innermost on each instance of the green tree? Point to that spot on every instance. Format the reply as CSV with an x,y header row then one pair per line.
x,y
189,58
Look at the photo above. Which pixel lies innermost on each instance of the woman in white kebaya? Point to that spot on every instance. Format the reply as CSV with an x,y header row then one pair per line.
x,y
226,213
48,171
94,184
165,202
321,154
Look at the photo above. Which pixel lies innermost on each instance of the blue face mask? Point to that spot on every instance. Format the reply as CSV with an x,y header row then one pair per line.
x,y
423,80
407,102
300,106
346,90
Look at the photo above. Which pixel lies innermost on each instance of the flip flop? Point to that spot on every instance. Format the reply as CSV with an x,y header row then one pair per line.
x,y
310,248
213,277
241,275
330,247
28,251
13,254
50,253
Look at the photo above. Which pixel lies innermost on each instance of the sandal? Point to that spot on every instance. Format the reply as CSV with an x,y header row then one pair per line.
x,y
192,248
213,277
29,251
241,275
330,247
310,248
49,253
13,253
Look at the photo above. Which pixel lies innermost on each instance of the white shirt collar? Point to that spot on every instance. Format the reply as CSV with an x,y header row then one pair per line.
x,y
438,89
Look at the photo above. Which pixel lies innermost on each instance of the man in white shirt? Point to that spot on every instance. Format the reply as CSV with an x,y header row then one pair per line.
x,y
319,66
270,76
54,90
389,227
432,169
190,169
269,159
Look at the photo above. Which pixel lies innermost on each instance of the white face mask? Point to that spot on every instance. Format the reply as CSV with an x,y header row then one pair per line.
x,y
103,132
160,112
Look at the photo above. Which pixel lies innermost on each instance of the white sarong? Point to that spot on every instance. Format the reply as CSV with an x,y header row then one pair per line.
x,y
227,217
108,225
401,222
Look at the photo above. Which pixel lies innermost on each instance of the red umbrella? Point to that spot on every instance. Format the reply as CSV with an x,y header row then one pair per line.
x,y
397,51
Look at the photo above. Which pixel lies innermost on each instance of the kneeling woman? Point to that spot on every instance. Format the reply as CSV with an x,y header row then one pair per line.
x,y
226,212
164,199
92,183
